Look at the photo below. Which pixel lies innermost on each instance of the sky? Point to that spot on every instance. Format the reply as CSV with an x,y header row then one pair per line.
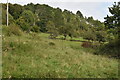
x,y
96,8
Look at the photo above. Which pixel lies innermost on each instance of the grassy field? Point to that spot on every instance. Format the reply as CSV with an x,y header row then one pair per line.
x,y
37,56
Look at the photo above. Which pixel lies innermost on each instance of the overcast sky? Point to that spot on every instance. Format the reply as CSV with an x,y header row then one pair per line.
x,y
96,8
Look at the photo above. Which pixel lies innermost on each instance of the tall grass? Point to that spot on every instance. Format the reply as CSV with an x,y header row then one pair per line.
x,y
30,56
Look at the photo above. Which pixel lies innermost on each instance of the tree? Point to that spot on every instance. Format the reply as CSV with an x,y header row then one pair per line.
x,y
24,26
26,20
58,17
30,7
67,28
79,14
52,29
15,10
35,28
44,14
28,16
90,19
89,35
42,25
114,20
101,36
4,18
112,24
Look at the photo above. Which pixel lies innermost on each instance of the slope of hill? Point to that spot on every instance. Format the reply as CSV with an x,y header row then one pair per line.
x,y
34,55
46,42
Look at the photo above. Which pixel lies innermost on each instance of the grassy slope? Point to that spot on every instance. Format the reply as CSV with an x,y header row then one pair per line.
x,y
33,56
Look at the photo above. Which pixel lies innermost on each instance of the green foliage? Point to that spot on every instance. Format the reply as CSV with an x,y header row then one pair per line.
x,y
52,30
89,35
110,37
79,14
26,20
112,25
12,30
55,21
30,7
58,18
51,43
51,27
53,58
114,20
83,25
24,26
42,25
44,14
35,29
70,24
15,10
90,19
37,59
4,18
111,49
16,46
101,36
28,17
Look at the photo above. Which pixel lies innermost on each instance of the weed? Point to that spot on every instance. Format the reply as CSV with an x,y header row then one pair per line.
x,y
34,58
12,30
51,43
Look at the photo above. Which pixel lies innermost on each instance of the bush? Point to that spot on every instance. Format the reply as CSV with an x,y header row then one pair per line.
x,y
9,45
89,35
53,36
111,49
24,26
101,36
86,44
12,30
19,46
51,43
35,29
96,45
28,17
4,18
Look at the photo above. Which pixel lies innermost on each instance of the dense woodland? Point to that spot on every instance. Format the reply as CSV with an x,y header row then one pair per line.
x,y
44,18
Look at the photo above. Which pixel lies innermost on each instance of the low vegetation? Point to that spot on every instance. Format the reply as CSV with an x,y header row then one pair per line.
x,y
46,42
38,56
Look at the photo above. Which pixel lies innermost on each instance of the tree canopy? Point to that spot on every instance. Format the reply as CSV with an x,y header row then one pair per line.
x,y
44,18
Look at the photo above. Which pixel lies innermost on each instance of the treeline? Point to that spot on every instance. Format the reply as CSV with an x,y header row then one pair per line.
x,y
43,18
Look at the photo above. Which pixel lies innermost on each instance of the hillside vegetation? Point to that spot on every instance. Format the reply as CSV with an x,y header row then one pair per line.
x,y
36,56
46,42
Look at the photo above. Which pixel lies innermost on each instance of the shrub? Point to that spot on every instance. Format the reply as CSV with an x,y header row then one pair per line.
x,y
86,44
53,36
111,49
24,26
8,45
28,17
12,30
12,45
51,43
101,36
89,35
4,18
35,28
95,45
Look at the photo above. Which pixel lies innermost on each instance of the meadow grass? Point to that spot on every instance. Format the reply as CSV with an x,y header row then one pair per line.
x,y
33,56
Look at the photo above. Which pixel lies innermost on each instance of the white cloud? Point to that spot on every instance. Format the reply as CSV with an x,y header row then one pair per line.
x,y
44,1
